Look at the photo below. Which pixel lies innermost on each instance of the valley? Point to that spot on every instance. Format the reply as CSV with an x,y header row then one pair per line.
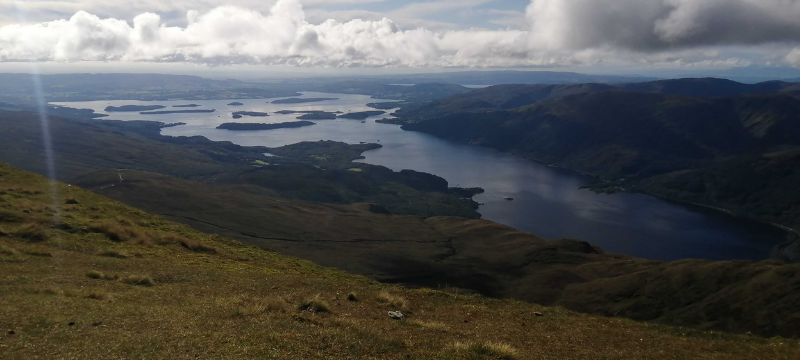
x,y
549,201
285,190
400,179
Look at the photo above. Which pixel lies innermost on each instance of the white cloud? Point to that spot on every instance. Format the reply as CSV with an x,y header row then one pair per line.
x,y
661,24
793,58
656,33
229,34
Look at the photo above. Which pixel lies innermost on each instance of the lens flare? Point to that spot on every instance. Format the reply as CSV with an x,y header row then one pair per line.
x,y
44,122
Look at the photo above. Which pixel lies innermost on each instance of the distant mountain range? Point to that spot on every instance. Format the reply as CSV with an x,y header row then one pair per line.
x,y
510,77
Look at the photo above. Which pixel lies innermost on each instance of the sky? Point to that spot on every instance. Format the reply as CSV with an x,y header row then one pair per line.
x,y
402,35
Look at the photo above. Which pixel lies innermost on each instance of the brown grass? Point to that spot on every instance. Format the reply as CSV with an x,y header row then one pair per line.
x,y
276,305
173,238
9,217
94,274
7,251
98,295
251,307
51,291
140,280
432,325
122,230
485,350
35,252
24,190
10,255
188,314
31,232
394,301
315,305
113,253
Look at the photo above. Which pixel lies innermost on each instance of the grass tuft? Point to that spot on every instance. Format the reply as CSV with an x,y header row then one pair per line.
x,y
120,231
250,307
10,255
140,280
392,300
71,201
39,253
31,232
7,251
98,295
113,254
487,350
173,238
314,305
51,291
94,274
276,305
432,325
9,217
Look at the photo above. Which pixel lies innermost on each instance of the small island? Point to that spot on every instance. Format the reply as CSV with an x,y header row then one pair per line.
x,y
251,127
301,100
310,114
386,105
164,126
391,121
361,115
133,108
240,114
176,112
319,115
186,106
235,103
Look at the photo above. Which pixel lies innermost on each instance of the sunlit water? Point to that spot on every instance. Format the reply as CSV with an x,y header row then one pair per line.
x,y
547,201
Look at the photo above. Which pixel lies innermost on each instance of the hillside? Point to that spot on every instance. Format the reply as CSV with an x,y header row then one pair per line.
x,y
709,141
474,256
81,147
501,97
764,184
485,77
22,88
619,133
514,94
251,200
79,270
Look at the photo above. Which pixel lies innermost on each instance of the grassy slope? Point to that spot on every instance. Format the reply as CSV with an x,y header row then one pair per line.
x,y
478,255
242,302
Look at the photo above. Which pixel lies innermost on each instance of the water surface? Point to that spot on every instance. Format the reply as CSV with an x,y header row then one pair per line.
x,y
547,201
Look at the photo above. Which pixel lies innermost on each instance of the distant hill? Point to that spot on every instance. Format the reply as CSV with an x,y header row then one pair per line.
x,y
504,97
708,141
21,88
381,90
622,133
510,77
501,97
761,184
712,87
